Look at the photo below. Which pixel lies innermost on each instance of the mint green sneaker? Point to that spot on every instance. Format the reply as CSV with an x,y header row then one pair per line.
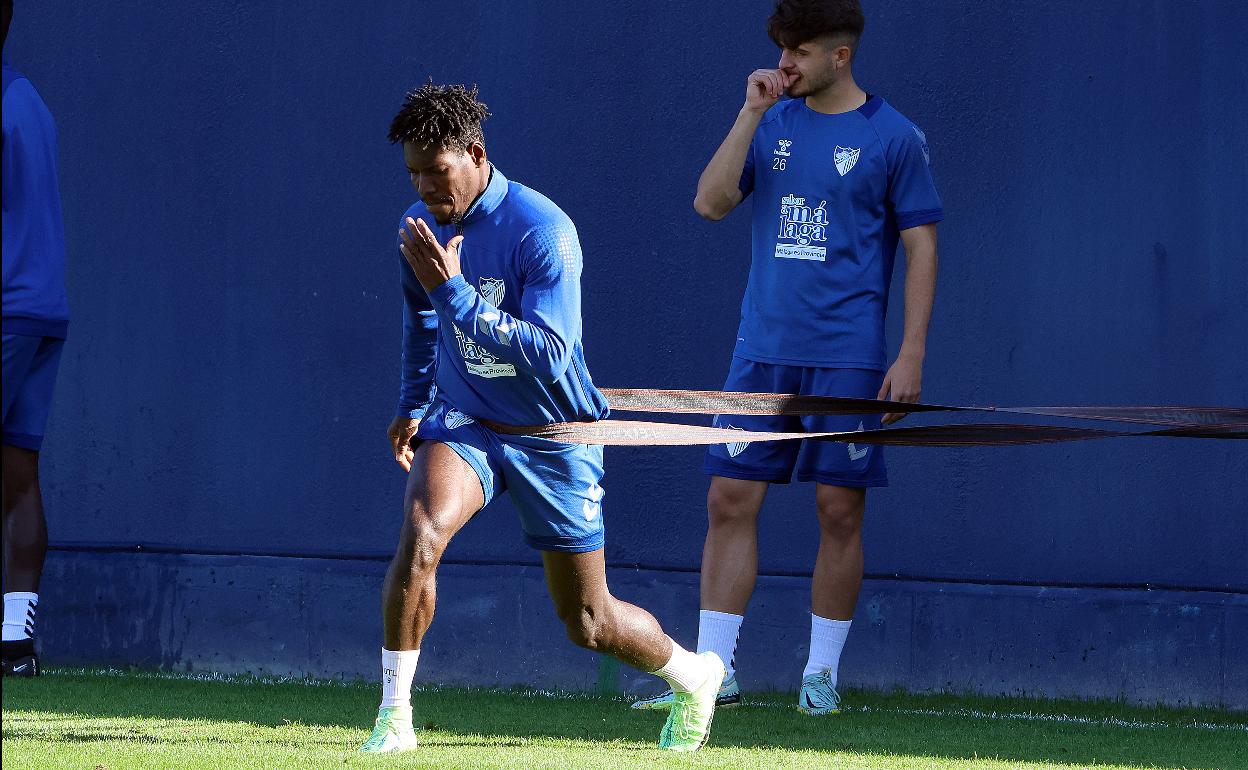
x,y
689,718
818,697
729,696
392,732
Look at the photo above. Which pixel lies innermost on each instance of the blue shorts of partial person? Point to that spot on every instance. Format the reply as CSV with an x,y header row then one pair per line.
x,y
842,464
555,486
30,365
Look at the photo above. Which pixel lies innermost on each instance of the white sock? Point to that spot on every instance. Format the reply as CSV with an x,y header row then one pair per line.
x,y
827,639
19,615
718,632
398,668
685,671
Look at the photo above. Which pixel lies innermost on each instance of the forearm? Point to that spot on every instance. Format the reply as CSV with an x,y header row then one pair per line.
x,y
920,290
540,351
718,187
420,349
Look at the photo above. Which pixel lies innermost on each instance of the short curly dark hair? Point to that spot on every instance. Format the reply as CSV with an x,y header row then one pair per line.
x,y
440,116
795,22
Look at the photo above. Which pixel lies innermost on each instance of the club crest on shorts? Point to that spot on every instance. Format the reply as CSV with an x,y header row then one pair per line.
x,y
845,158
493,290
734,447
455,419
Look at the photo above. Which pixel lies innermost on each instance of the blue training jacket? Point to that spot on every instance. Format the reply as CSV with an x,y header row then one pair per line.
x,y
502,341
34,236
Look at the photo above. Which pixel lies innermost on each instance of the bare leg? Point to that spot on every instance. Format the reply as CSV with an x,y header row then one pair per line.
x,y
598,621
443,493
730,555
25,528
838,568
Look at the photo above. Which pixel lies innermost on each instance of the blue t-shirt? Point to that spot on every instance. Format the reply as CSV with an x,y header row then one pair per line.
x,y
831,193
501,342
34,236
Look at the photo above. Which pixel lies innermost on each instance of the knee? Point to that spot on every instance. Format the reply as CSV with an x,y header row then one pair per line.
x,y
727,506
840,518
422,543
586,626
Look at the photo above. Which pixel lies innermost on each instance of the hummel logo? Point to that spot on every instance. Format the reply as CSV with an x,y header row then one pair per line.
x,y
855,453
923,143
504,332
491,322
486,321
593,505
782,147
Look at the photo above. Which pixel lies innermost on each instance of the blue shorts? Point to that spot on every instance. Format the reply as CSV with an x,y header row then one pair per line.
x,y
826,462
30,365
554,486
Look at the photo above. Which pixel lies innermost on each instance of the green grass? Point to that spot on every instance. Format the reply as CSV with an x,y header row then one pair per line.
x,y
115,720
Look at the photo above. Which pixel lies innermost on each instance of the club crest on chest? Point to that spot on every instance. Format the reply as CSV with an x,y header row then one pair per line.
x,y
845,158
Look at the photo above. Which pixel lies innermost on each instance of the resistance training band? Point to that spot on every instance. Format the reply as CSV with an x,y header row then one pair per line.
x,y
1179,421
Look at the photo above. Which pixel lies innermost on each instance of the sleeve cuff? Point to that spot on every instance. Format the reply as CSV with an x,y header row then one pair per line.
x,y
412,413
446,294
909,219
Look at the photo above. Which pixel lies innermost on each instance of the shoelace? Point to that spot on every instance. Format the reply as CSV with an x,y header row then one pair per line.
x,y
378,738
687,726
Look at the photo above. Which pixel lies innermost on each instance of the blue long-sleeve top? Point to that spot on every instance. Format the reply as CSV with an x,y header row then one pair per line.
x,y
34,236
502,341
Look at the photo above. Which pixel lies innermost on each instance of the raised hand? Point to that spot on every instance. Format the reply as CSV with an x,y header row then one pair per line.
x,y
764,88
433,263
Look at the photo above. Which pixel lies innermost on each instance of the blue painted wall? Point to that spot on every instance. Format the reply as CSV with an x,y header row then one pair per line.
x,y
230,202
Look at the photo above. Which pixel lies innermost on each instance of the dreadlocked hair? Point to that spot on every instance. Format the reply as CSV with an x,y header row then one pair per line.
x,y
440,116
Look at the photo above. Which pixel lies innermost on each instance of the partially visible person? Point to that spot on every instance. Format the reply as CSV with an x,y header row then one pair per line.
x,y
36,316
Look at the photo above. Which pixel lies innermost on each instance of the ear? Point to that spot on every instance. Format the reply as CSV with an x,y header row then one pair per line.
x,y
476,151
844,54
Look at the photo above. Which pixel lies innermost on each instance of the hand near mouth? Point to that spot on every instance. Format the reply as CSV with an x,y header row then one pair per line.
x,y
433,263
765,87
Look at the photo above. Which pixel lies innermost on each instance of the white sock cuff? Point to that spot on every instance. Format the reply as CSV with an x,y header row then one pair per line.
x,y
718,633
684,671
828,625
19,615
398,669
827,639
400,655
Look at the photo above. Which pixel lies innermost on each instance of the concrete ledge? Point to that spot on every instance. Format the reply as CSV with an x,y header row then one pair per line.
x,y
495,626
